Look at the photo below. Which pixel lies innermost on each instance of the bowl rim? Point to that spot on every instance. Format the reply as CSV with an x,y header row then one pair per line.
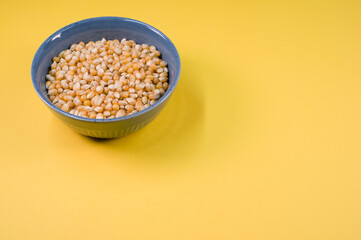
x,y
105,18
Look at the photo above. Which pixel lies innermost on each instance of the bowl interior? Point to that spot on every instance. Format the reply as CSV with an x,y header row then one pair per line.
x,y
95,29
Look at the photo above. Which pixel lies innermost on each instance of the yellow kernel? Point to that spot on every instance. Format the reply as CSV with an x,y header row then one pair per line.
x,y
163,74
120,113
68,98
153,67
106,78
82,114
163,79
77,101
83,98
99,116
153,96
144,100
52,92
131,101
106,90
79,92
87,102
129,108
115,107
90,95
99,89
108,107
92,115
152,49
163,63
138,105
130,70
106,113
165,85
99,109
65,108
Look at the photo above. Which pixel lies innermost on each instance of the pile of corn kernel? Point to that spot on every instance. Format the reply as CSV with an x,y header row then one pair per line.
x,y
107,79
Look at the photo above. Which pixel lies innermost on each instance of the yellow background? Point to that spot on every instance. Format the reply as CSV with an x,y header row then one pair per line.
x,y
261,139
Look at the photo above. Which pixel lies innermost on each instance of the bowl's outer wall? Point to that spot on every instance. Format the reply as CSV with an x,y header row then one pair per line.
x,y
92,30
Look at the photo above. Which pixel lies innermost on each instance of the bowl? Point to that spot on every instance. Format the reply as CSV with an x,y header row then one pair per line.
x,y
95,29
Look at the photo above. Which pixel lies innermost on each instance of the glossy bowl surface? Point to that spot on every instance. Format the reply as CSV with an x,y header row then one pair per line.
x,y
110,28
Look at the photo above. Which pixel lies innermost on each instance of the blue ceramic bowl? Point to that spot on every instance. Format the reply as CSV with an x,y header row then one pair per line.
x,y
94,29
